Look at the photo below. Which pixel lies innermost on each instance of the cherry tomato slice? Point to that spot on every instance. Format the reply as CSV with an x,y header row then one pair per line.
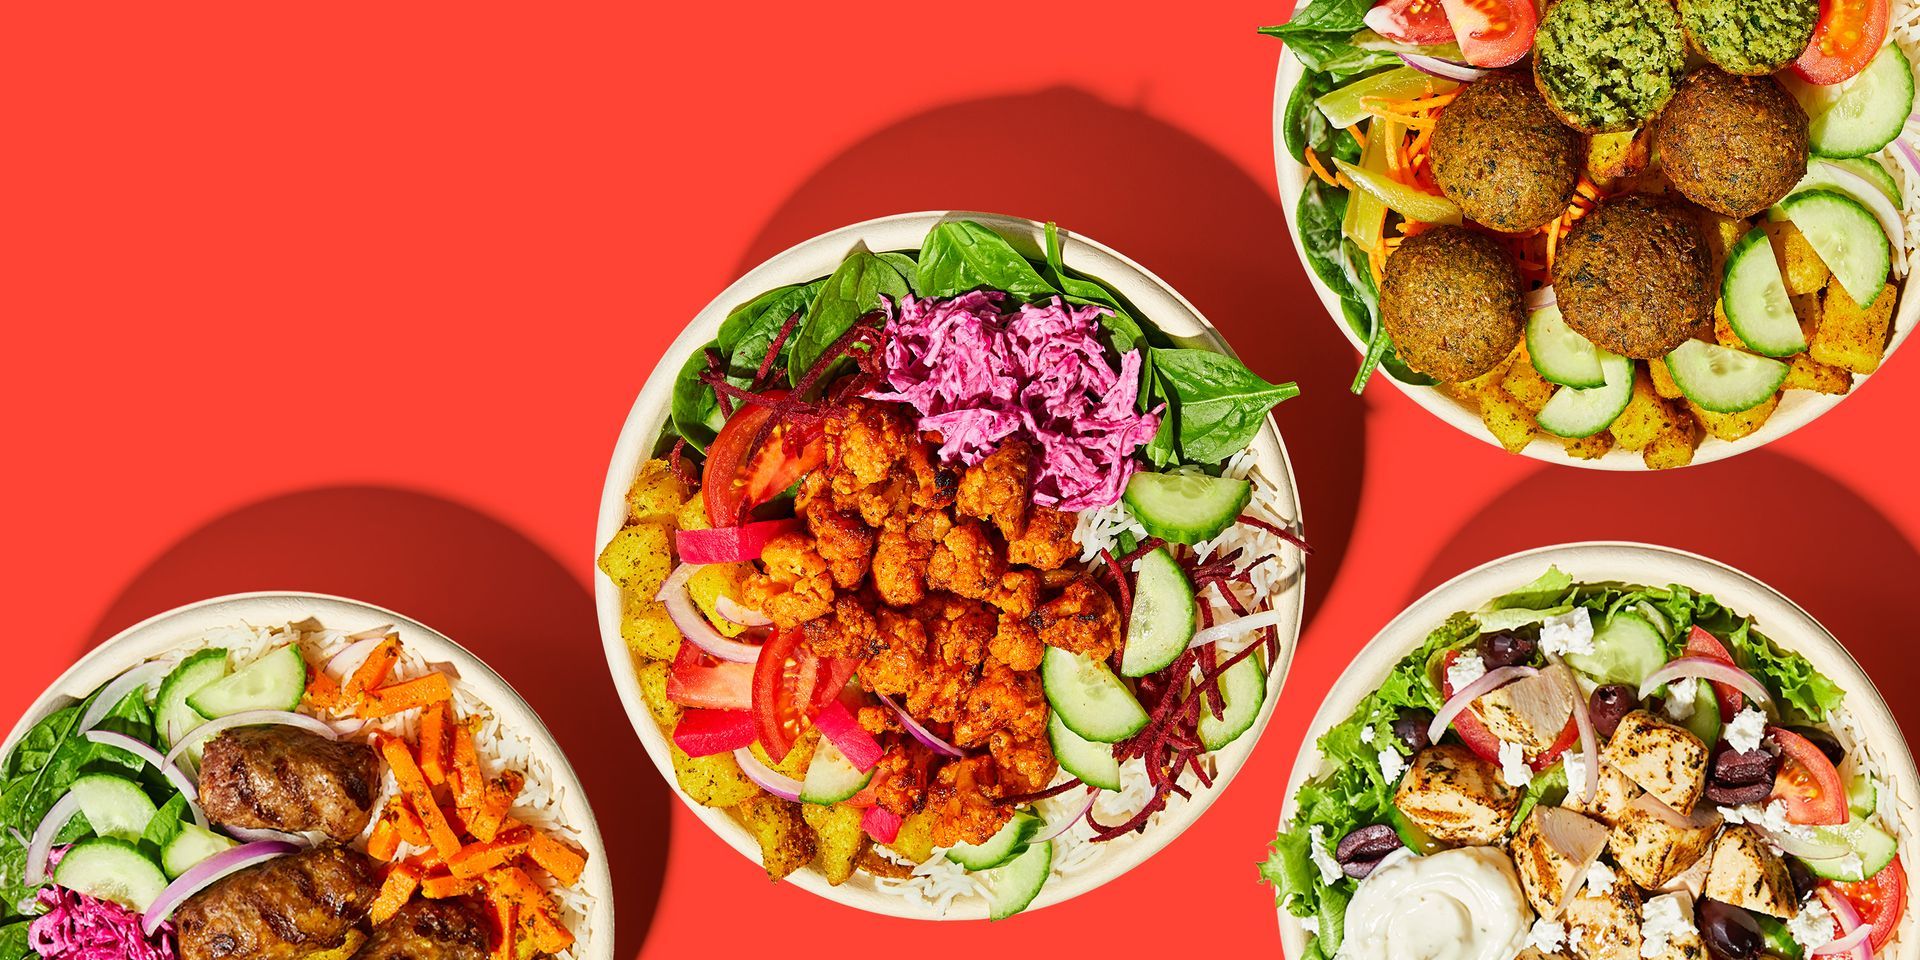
x,y
790,685
1807,783
696,680
1419,22
1849,34
1493,33
1879,899
755,458
1700,643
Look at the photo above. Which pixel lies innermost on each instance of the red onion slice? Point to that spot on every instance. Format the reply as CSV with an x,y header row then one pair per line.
x,y
770,780
1845,944
41,846
919,732
1870,196
1843,911
348,660
1704,668
153,759
693,624
734,612
1490,681
1906,151
1444,69
262,835
1064,824
1806,848
1541,299
1589,740
116,691
251,718
1237,627
203,874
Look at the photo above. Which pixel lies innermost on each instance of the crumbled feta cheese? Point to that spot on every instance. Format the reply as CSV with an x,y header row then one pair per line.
x,y
1465,669
1600,878
1744,731
1570,632
1392,765
1366,733
1577,767
1813,926
1547,936
1330,872
1310,925
1513,765
1681,699
1662,919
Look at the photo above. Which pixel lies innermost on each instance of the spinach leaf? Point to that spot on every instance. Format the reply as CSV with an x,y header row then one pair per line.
x,y
1340,60
907,267
1123,331
34,749
853,290
961,255
694,409
1216,402
14,944
1323,16
1319,214
753,335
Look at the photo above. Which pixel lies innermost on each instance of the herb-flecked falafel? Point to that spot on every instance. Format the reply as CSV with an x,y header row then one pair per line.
x,y
1450,299
1734,145
1633,277
1608,65
1504,156
1750,37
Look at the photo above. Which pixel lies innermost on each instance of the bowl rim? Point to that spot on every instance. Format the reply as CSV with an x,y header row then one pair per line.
x,y
1797,407
161,634
803,262
1773,612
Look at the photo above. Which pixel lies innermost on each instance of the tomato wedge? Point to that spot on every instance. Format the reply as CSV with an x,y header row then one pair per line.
x,y
1419,22
1845,40
790,685
1807,783
1492,33
1879,899
696,680
1700,643
753,459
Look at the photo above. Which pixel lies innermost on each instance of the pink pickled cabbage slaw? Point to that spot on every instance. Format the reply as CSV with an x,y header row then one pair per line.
x,y
980,370
78,927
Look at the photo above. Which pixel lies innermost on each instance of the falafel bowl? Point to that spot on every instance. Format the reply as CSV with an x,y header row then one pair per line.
x,y
1550,756
1635,236
293,775
950,580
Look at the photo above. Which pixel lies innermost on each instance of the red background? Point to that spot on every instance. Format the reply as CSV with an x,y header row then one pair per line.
x,y
354,298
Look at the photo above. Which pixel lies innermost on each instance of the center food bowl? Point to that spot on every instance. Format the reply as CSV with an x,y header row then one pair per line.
x,y
819,257
1774,615
1797,407
177,628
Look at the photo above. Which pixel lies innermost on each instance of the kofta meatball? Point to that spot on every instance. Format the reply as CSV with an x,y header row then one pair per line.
x,y
1504,156
1633,277
1450,299
1608,65
1734,145
1750,37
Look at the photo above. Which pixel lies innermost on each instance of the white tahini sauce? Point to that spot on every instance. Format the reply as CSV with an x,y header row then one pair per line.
x,y
1460,904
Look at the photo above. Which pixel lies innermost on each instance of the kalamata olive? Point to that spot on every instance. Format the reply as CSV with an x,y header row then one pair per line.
x,y
1609,705
1825,741
1730,932
1803,879
1735,795
1360,869
1411,727
1735,768
1367,843
1507,649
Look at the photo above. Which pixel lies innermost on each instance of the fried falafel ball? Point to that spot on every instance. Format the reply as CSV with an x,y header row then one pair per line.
x,y
1750,37
1450,299
1504,156
1734,145
1633,277
1608,65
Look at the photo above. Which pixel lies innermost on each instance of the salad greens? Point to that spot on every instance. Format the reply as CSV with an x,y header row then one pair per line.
x,y
1214,404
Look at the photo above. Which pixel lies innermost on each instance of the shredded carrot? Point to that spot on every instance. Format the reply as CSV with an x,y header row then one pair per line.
x,y
323,692
401,881
1320,171
477,858
558,858
408,695
420,794
433,742
1359,136
373,671
441,886
384,842
468,781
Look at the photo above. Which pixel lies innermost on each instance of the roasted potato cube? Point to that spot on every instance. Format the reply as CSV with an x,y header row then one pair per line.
x,y
1525,384
1721,234
1800,267
656,494
1653,844
1663,384
786,842
1457,797
1723,332
693,513
652,675
1552,848
1611,156
1611,795
1666,760
1673,914
1605,926
1735,426
838,839
794,764
1588,448
647,628
1674,446
915,840
1531,711
1508,419
1472,390
713,581
1807,308
1645,417
638,557
1806,373
1747,873
1851,336
714,781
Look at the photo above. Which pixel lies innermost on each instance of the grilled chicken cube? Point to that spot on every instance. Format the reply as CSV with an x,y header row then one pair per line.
x,y
1456,797
1532,711
1747,873
283,909
1605,926
452,929
284,778
1611,795
1668,929
1553,850
1653,845
1666,760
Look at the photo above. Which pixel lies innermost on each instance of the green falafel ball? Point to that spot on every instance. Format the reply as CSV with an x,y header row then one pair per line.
x,y
1608,65
1750,37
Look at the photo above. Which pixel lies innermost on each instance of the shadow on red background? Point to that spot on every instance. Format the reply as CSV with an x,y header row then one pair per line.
x,y
478,581
1153,192
1793,527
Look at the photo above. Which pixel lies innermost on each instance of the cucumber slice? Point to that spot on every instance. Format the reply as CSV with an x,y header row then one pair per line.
x,y
1722,379
111,869
831,777
1822,176
1754,297
1576,413
1164,613
1186,506
1655,617
276,681
1012,887
171,714
1092,762
1088,698
1561,355
1244,688
1864,114
192,844
114,806
1626,649
1002,847
1873,848
1862,796
1411,834
1848,239
1705,720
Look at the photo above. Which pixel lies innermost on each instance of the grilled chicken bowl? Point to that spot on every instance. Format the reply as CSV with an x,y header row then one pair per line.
x,y
1593,768
292,777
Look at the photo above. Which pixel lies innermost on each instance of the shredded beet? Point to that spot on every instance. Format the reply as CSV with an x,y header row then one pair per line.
x,y
764,377
677,459
1047,794
1278,531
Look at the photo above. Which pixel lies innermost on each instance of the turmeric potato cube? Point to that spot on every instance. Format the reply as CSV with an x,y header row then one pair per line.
x,y
714,781
1646,415
1851,336
1508,419
638,557
652,675
1674,446
1800,267
1525,384
1806,373
1589,448
693,513
647,628
1611,156
838,839
1723,329
656,494
1663,384
915,840
1735,426
786,842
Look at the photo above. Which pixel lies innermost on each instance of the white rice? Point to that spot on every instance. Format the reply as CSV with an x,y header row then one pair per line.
x,y
540,804
1905,29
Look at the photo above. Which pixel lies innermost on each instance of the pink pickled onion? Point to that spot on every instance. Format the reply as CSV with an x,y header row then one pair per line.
x,y
920,733
74,926
693,624
258,834
1705,668
349,659
729,544
203,875
1845,944
1487,683
1850,923
837,724
770,780
1541,299
1237,627
881,824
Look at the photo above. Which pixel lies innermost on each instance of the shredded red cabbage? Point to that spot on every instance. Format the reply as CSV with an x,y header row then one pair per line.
x,y
980,369
75,926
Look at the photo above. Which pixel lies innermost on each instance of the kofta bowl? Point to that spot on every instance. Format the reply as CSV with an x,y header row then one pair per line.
x,y
1772,621
934,891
